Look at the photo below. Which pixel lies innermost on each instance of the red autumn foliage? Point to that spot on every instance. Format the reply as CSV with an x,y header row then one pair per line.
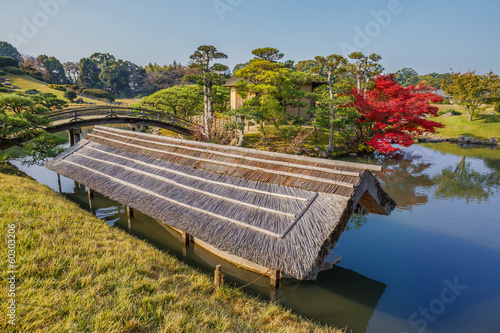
x,y
397,113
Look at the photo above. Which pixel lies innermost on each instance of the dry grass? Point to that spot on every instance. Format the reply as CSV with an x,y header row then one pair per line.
x,y
26,82
79,275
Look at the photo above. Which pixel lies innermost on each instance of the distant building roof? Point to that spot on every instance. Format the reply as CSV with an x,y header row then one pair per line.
x,y
232,81
280,211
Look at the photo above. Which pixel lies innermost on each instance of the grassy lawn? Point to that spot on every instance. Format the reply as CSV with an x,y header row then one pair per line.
x,y
128,100
482,127
26,82
446,107
77,274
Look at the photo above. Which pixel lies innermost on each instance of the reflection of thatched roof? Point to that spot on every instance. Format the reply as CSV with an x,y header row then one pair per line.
x,y
280,211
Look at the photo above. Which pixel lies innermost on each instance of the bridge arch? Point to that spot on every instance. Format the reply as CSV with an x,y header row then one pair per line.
x,y
67,119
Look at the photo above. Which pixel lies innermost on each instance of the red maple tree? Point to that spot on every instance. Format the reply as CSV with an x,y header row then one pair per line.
x,y
395,114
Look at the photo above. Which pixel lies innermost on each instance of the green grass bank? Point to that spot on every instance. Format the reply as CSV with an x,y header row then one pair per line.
x,y
77,274
482,127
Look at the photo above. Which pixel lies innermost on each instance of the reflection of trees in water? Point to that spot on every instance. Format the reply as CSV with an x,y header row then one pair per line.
x,y
403,174
356,222
463,182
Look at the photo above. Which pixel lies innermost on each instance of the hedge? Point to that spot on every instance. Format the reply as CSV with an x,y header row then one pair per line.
x,y
13,70
99,94
9,62
57,87
4,90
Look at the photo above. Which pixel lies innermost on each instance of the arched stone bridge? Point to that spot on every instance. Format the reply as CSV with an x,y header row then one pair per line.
x,y
68,119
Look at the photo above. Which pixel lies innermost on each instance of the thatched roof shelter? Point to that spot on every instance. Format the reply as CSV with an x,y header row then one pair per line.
x,y
279,211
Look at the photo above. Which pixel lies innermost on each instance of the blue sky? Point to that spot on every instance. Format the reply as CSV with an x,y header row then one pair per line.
x,y
429,36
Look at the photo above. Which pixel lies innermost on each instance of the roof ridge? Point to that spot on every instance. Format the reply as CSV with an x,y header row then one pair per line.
x,y
243,166
336,163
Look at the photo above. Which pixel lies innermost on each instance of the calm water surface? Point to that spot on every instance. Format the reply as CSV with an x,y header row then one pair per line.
x,y
433,265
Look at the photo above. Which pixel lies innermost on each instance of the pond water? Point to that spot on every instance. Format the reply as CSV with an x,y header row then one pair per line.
x,y
433,265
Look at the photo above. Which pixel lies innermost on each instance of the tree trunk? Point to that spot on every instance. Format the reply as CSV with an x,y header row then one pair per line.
x,y
207,111
469,114
332,112
241,132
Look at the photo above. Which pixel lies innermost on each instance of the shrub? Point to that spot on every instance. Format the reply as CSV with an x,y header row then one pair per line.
x,y
57,87
74,87
13,70
31,91
99,94
3,73
8,62
496,107
4,90
70,95
452,111
36,75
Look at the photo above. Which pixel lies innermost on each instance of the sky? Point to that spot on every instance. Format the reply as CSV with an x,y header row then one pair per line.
x,y
428,36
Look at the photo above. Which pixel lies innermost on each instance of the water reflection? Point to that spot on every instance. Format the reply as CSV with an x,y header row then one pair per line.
x,y
348,299
404,175
464,182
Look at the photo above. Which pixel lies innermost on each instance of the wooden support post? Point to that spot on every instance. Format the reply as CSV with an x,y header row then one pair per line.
x,y
71,138
91,195
274,280
129,224
186,238
59,183
219,277
130,211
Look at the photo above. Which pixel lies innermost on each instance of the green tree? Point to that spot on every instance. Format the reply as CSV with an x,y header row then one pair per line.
x,y
70,95
19,120
88,73
52,69
306,66
221,98
473,91
207,75
407,76
15,104
7,50
185,100
48,101
336,96
270,88
268,53
114,77
364,68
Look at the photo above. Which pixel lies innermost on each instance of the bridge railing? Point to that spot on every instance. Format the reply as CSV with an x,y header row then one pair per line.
x,y
77,114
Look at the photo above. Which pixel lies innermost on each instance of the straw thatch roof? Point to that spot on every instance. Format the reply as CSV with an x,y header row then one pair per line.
x,y
280,211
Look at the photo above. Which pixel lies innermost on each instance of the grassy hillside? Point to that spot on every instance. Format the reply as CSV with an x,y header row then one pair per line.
x,y
77,274
482,127
27,82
